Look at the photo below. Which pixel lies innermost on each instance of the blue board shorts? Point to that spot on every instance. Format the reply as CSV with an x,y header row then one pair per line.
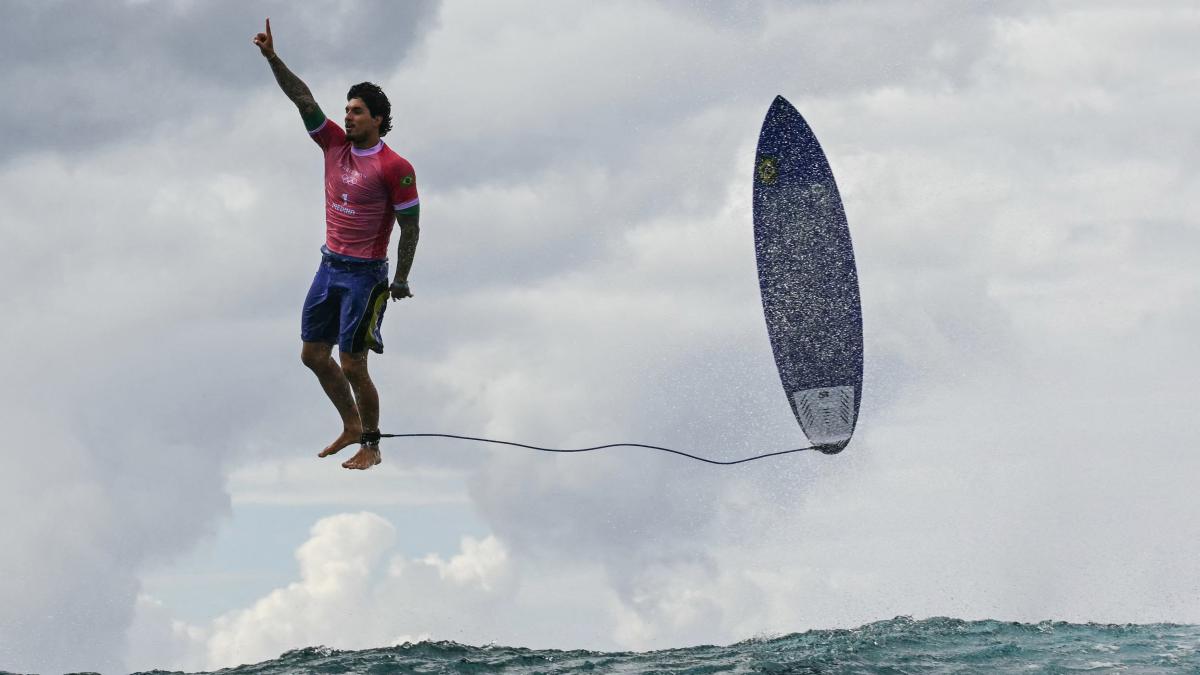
x,y
346,302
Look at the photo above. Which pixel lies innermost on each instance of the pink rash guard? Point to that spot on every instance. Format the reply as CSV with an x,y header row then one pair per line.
x,y
363,190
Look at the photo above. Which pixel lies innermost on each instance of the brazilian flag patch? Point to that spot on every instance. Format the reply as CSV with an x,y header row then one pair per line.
x,y
407,180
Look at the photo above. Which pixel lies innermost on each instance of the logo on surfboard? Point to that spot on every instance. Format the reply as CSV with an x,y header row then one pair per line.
x,y
767,170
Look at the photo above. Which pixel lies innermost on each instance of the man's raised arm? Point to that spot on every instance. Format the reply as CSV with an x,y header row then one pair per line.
x,y
288,82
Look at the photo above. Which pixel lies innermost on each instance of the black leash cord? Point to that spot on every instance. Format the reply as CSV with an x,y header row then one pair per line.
x,y
598,447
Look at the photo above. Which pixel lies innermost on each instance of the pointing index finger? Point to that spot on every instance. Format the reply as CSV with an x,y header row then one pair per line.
x,y
268,26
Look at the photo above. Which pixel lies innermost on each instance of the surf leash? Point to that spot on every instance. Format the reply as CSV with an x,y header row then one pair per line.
x,y
375,436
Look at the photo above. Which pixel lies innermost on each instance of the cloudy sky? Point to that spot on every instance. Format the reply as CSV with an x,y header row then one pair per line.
x,y
1020,180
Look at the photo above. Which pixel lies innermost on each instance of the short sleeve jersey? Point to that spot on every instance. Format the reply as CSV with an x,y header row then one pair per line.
x,y
363,190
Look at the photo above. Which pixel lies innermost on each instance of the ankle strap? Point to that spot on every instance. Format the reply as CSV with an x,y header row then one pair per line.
x,y
370,438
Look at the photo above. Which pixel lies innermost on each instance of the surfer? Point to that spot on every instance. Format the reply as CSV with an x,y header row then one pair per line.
x,y
367,186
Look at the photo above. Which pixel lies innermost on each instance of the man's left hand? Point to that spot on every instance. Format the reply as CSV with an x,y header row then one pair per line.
x,y
400,290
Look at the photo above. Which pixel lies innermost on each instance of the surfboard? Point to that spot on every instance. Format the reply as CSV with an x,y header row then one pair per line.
x,y
808,279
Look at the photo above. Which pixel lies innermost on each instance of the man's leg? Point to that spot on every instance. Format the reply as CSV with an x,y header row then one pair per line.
x,y
354,365
319,358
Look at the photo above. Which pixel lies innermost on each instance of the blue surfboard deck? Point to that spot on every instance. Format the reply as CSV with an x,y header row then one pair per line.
x,y
808,279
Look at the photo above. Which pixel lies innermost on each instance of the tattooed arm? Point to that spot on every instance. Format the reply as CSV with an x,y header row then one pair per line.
x,y
291,85
409,221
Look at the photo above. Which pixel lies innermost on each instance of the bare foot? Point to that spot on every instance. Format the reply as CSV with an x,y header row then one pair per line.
x,y
349,437
366,457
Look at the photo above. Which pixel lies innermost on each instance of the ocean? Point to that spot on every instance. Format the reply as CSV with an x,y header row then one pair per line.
x,y
900,645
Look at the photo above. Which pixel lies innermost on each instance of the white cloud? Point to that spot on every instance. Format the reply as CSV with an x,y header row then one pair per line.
x,y
481,564
354,592
336,569
294,482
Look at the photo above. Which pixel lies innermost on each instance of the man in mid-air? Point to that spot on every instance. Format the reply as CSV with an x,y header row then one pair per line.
x,y
367,186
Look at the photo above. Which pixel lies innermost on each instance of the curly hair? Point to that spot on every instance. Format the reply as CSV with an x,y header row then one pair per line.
x,y
377,103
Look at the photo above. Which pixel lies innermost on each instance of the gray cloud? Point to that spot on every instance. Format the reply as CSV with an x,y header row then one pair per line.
x,y
84,74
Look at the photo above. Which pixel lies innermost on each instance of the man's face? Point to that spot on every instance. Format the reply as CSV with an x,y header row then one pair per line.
x,y
360,126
